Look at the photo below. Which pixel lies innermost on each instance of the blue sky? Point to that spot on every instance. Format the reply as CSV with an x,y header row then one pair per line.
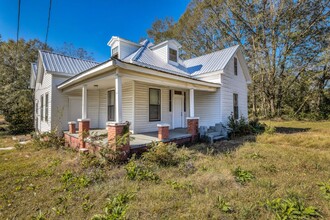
x,y
85,23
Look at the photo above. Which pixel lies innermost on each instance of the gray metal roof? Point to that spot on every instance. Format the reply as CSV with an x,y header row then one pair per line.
x,y
210,62
54,62
204,64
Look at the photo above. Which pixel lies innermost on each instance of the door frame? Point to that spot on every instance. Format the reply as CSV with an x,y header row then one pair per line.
x,y
182,108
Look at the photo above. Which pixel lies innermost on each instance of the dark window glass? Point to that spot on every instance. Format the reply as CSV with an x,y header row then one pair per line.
x,y
111,105
235,66
184,101
173,55
170,100
46,107
154,105
235,104
42,108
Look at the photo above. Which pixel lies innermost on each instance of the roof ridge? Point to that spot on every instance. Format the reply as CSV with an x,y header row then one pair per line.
x,y
212,53
139,51
56,53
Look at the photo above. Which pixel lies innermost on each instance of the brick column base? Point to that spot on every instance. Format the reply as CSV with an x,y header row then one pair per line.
x,y
192,123
116,131
163,131
72,127
83,131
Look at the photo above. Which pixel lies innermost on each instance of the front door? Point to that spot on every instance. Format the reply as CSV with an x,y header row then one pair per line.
x,y
177,111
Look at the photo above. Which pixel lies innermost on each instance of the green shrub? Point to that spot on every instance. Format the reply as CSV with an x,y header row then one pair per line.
x,y
243,176
163,154
256,126
138,171
115,208
50,139
270,129
223,206
238,127
291,208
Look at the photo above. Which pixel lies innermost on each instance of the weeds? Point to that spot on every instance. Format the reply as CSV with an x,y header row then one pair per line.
x,y
243,176
115,208
325,189
138,171
291,208
70,181
223,205
48,140
163,154
270,129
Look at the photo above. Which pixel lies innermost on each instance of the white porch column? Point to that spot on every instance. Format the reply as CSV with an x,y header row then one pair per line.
x,y
84,102
118,99
192,103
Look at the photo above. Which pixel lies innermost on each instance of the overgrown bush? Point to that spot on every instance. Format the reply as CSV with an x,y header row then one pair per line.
x,y
256,126
238,127
291,208
163,154
48,140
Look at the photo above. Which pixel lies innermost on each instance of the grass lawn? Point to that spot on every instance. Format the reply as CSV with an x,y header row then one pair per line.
x,y
228,180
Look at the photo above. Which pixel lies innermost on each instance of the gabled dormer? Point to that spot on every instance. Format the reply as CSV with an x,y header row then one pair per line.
x,y
168,51
121,48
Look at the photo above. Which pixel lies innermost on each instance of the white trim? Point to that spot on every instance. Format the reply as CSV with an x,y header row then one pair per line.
x,y
161,125
84,105
192,103
83,119
133,109
119,104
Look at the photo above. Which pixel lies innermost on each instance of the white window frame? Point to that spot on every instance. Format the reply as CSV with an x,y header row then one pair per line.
x,y
46,107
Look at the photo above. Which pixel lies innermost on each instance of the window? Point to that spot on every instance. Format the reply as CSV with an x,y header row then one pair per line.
x,y
170,101
154,105
46,107
235,66
36,108
173,55
115,52
184,101
111,105
42,108
235,104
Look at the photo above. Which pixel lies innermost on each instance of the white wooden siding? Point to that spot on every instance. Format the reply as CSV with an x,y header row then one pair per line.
x,y
162,52
142,123
41,89
233,84
207,107
103,118
93,107
127,103
59,105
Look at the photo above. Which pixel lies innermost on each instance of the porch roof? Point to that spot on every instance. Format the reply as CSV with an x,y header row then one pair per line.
x,y
111,67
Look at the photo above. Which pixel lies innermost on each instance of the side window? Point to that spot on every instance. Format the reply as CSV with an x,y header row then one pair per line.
x,y
235,66
154,105
111,105
46,107
42,108
173,56
235,104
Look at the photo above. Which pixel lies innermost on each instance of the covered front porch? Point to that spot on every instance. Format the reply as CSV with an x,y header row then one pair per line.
x,y
156,106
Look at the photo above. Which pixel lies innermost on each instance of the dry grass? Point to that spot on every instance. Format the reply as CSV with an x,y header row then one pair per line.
x,y
284,164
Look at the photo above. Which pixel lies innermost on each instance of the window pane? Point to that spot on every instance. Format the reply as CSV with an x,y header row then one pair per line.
x,y
111,105
154,112
173,55
154,97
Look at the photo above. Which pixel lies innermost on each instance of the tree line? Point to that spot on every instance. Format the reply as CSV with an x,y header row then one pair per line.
x,y
16,98
286,44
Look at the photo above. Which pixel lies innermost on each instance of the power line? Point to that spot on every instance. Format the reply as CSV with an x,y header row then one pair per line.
x,y
49,10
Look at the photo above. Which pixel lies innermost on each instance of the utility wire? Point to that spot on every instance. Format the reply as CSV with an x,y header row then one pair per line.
x,y
49,10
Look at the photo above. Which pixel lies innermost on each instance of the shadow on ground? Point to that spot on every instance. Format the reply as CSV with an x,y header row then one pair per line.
x,y
222,146
288,130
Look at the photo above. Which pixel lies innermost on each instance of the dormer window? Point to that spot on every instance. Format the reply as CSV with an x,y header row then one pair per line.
x,y
173,55
115,52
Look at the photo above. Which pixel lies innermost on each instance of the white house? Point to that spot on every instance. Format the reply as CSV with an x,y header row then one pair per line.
x,y
142,83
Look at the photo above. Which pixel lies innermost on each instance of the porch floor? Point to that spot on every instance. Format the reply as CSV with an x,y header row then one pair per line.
x,y
142,139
